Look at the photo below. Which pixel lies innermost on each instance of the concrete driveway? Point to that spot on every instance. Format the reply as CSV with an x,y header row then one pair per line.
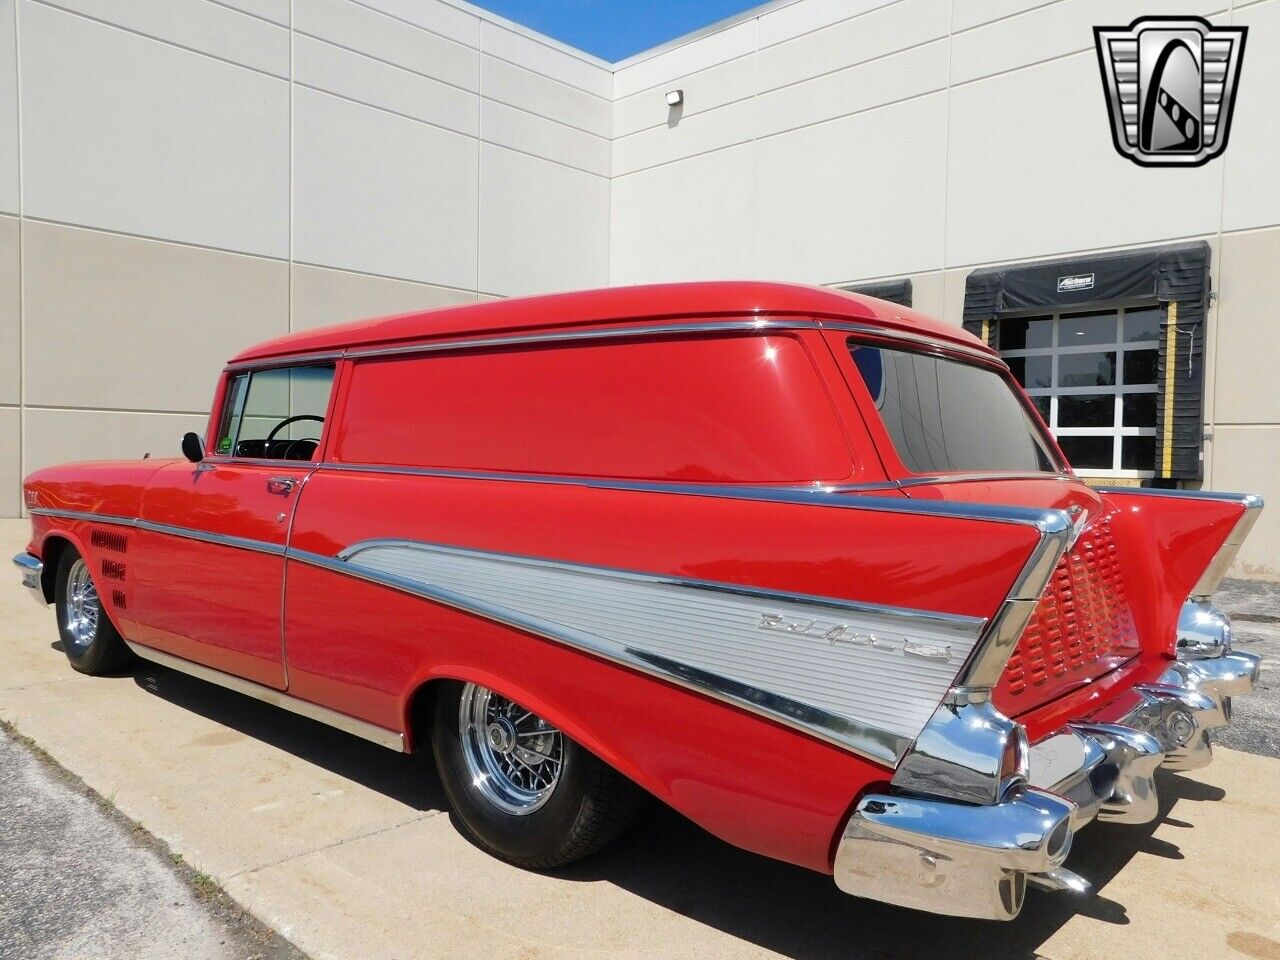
x,y
346,848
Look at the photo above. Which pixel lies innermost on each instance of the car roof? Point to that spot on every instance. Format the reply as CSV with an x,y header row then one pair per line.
x,y
638,305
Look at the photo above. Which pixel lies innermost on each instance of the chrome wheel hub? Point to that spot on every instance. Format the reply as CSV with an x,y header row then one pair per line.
x,y
81,607
513,756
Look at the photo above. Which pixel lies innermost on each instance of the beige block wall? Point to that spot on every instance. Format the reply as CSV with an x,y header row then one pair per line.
x,y
10,356
124,338
322,296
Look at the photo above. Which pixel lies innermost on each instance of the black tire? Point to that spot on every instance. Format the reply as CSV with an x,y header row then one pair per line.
x,y
94,649
588,806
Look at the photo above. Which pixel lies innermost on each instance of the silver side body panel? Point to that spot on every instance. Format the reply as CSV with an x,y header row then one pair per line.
x,y
868,677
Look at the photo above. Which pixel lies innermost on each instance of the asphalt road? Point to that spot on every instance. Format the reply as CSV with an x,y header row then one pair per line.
x,y
78,881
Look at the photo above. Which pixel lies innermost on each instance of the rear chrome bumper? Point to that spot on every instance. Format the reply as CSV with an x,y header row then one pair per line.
x,y
976,860
31,569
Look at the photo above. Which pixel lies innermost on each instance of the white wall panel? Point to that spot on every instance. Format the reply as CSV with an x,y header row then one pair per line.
x,y
199,25
875,34
1026,181
405,209
972,13
701,133
352,25
56,436
543,226
535,93
444,19
152,322
1252,191
705,90
735,41
337,70
1053,30
901,76
809,15
525,51
8,108
135,135
833,202
10,305
277,11
544,138
685,221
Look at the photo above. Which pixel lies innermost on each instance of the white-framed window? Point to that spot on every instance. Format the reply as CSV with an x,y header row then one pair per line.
x,y
1093,377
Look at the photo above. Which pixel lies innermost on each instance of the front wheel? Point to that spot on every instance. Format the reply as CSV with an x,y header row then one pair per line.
x,y
523,790
89,638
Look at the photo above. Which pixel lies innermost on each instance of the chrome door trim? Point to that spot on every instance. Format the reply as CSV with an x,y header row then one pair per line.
x,y
392,739
218,539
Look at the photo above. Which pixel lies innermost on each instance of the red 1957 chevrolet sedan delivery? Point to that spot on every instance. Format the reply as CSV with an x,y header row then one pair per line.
x,y
804,565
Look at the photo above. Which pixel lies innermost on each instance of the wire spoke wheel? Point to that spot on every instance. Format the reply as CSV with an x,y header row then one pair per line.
x,y
513,756
81,607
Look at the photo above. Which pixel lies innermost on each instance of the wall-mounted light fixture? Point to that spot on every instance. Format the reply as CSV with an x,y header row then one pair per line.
x,y
675,98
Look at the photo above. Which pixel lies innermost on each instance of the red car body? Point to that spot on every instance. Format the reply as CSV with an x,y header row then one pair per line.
x,y
661,454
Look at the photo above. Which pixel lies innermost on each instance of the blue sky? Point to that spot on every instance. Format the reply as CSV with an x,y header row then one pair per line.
x,y
615,29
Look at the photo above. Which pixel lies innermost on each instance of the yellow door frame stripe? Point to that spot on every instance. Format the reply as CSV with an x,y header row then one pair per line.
x,y
1170,368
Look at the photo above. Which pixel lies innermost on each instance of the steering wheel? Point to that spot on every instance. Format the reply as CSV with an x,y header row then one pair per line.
x,y
288,420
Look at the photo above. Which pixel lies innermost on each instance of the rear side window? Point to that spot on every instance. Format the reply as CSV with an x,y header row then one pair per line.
x,y
737,409
945,416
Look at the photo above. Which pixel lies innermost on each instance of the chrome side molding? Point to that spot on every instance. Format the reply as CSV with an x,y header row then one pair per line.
x,y
861,676
391,739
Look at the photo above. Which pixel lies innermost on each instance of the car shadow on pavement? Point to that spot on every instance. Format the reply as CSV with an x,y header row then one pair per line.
x,y
801,914
409,779
677,866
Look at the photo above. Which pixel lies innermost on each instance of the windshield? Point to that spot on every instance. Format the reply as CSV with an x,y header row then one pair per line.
x,y
946,416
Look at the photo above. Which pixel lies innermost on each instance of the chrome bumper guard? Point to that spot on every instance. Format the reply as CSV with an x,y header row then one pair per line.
x,y
976,860
31,569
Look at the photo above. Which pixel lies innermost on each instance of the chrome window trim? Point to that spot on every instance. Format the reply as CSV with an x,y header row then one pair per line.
x,y
622,332
1217,568
918,339
630,332
391,739
284,360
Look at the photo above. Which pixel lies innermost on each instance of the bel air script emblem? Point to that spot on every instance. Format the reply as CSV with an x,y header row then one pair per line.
x,y
1171,85
842,634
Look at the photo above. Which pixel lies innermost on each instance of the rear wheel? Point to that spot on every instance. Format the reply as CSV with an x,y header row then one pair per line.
x,y
523,790
89,638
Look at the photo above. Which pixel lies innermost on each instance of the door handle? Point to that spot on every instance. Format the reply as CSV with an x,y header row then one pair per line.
x,y
281,486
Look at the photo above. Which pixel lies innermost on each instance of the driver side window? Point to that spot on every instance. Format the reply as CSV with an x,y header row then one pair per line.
x,y
275,414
